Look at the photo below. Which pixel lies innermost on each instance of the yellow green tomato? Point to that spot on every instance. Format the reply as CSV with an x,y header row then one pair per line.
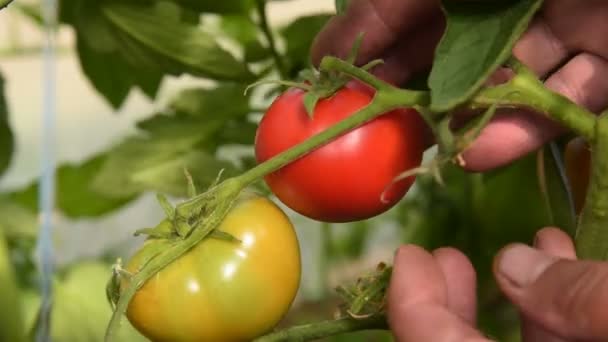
x,y
221,290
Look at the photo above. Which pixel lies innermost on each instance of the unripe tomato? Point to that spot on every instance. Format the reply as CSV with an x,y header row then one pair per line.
x,y
222,290
577,159
343,180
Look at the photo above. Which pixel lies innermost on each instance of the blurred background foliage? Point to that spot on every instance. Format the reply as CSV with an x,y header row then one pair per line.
x,y
192,60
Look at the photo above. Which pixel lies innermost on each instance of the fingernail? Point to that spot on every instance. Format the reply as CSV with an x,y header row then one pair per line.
x,y
522,265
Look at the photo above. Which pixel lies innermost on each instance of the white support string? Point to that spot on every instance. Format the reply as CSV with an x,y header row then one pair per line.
x,y
46,196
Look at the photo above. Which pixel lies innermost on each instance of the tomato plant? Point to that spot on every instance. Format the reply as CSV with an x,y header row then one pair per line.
x,y
222,290
350,178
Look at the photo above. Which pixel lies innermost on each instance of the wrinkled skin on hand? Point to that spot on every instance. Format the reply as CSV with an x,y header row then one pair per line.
x,y
564,45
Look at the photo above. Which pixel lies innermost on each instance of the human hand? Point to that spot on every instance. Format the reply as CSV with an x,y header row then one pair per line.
x,y
565,45
432,296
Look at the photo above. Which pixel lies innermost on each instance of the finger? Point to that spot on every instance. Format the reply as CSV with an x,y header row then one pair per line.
x,y
417,301
581,26
382,22
512,134
568,298
540,49
556,243
413,53
461,279
532,332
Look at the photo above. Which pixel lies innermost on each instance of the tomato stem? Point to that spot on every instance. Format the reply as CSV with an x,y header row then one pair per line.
x,y
318,330
263,24
526,90
592,232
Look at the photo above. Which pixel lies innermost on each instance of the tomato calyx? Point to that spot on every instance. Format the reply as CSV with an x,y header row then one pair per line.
x,y
321,84
367,296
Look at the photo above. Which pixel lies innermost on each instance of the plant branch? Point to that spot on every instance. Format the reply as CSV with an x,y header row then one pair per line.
x,y
263,18
592,232
4,3
527,91
324,329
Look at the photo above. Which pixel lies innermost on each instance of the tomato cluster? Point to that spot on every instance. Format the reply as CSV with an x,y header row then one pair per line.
x,y
350,178
235,291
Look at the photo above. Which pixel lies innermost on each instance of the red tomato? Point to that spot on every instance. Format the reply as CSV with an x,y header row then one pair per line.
x,y
344,180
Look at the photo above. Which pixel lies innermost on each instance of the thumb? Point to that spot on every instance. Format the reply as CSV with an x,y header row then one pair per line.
x,y
566,297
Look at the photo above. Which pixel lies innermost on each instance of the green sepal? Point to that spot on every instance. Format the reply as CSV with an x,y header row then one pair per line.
x,y
191,187
221,235
164,230
310,102
167,207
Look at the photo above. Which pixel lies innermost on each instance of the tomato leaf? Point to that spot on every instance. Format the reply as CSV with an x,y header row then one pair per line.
x,y
176,45
211,102
75,197
556,189
168,177
4,3
12,327
219,7
245,32
107,71
6,134
107,58
299,35
478,39
341,6
80,310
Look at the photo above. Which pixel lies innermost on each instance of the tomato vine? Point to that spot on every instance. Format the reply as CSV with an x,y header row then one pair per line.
x,y
523,90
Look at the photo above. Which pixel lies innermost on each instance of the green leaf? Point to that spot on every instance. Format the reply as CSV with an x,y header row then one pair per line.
x,y
17,221
80,311
220,7
4,3
31,11
12,327
299,36
211,102
178,46
6,134
168,177
107,72
556,189
245,32
75,196
341,6
137,154
478,39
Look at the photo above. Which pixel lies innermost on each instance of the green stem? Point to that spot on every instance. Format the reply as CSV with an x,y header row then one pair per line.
x,y
592,231
4,3
263,17
324,329
526,90
326,254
